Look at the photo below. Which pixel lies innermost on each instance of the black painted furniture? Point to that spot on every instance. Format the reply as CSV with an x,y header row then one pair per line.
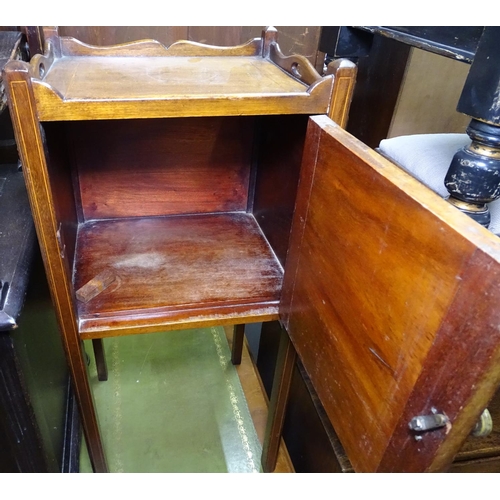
x,y
39,429
34,397
473,179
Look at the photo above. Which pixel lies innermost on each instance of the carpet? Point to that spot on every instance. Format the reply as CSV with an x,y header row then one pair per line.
x,y
173,403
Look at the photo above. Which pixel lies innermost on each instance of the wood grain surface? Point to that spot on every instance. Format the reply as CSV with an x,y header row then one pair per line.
x,y
73,80
379,270
107,87
281,145
292,39
139,168
176,270
35,168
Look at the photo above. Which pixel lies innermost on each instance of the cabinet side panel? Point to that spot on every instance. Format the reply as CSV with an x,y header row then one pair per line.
x,y
61,181
374,273
35,168
137,168
281,147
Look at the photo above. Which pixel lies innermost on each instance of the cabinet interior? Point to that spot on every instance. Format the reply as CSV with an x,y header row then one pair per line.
x,y
191,215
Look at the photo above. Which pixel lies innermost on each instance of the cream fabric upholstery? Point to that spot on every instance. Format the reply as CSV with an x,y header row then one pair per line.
x,y
427,157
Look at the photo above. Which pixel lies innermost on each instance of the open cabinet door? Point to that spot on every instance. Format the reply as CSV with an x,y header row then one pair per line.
x,y
392,301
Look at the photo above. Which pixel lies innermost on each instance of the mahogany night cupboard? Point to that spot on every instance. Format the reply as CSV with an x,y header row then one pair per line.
x,y
194,185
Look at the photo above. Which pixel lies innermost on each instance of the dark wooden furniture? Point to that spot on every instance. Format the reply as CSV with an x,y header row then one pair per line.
x,y
23,449
384,292
472,179
39,428
12,47
163,183
457,42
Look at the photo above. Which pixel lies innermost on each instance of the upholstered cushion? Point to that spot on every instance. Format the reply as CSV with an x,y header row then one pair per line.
x,y
427,157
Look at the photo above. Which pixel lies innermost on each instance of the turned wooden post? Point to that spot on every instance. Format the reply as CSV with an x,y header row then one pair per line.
x,y
473,178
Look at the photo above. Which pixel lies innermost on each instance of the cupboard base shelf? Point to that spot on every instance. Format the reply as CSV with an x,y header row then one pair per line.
x,y
171,272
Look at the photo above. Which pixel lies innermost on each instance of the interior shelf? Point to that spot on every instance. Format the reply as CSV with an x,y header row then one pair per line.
x,y
175,270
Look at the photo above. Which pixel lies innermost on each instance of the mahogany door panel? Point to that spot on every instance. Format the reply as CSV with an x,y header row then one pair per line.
x,y
389,297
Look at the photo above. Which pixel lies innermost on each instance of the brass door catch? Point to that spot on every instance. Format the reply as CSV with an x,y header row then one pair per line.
x,y
484,425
